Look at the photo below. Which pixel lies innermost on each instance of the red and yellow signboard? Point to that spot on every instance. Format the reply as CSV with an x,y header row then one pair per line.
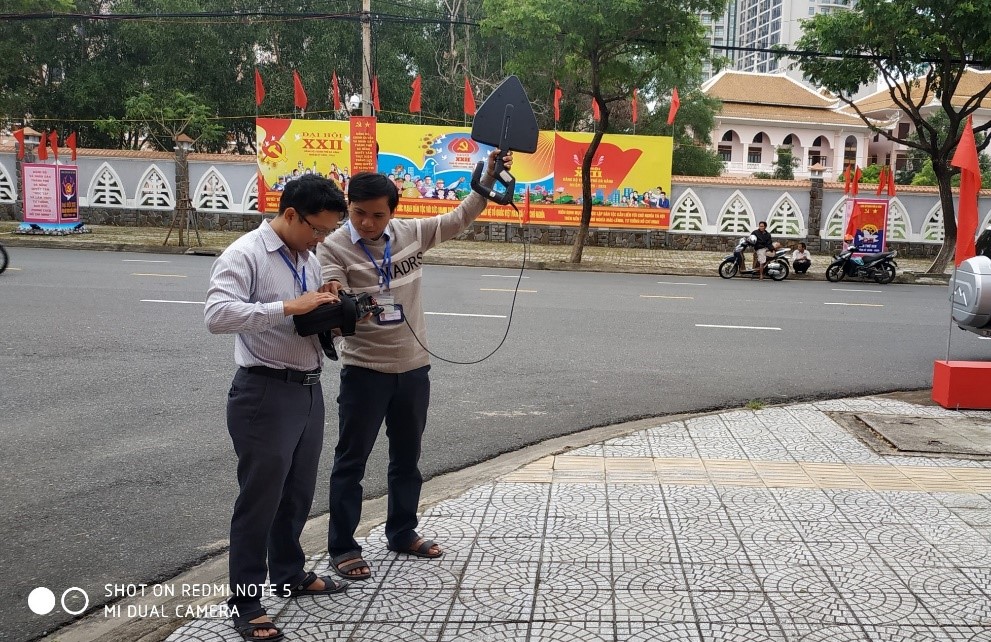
x,y
866,224
432,167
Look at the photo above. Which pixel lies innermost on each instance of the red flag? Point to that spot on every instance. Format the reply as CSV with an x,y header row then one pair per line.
x,y
70,142
847,177
675,104
891,181
855,187
375,94
557,101
43,147
259,89
298,93
19,137
526,205
337,91
970,184
596,114
634,106
882,179
53,141
469,98
414,101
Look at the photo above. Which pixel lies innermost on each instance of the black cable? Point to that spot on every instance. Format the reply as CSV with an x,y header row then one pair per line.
x,y
509,322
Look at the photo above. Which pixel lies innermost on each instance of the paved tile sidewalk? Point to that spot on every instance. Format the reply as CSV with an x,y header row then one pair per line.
x,y
774,525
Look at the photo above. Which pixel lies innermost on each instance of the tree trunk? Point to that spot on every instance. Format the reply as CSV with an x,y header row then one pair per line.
x,y
579,246
949,220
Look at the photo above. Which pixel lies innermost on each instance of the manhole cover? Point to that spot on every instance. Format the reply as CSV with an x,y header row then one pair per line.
x,y
945,435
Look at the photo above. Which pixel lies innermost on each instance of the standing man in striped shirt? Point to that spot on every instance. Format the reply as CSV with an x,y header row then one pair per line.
x,y
384,374
275,408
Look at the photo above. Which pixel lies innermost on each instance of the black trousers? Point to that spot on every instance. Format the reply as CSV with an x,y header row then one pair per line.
x,y
277,430
367,398
801,266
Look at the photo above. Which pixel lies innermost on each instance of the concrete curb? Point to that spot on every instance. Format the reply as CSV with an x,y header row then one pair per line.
x,y
511,264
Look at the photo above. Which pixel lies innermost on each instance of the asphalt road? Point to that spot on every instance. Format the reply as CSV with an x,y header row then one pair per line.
x,y
117,467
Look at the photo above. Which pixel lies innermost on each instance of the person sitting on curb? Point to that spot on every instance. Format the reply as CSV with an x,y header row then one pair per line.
x,y
801,260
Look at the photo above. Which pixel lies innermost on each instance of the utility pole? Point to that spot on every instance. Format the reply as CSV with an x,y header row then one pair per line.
x,y
366,57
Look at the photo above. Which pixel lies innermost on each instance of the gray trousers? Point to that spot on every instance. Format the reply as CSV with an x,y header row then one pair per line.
x,y
277,431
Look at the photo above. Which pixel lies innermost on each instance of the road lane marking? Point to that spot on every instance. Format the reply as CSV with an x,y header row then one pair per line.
x,y
858,305
506,276
680,283
661,296
168,301
178,276
503,290
460,314
736,327
141,261
10,269
852,290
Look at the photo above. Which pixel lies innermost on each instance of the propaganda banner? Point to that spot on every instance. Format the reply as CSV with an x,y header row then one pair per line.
x,y
432,167
866,220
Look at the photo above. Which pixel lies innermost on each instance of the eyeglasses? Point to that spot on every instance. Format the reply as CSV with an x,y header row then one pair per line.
x,y
318,233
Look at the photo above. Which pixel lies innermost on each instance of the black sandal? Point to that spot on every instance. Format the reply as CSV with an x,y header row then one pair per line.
x,y
249,630
346,562
423,550
330,586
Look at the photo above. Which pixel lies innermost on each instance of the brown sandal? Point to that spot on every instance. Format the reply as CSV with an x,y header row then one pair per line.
x,y
344,563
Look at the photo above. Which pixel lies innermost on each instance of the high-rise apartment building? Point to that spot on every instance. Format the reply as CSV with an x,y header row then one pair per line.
x,y
761,24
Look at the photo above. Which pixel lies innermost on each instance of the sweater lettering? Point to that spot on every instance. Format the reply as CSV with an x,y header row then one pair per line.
x,y
407,265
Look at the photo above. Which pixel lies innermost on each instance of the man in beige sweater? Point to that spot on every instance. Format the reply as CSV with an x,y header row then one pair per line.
x,y
384,374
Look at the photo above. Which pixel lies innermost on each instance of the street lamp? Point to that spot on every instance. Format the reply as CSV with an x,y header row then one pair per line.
x,y
184,212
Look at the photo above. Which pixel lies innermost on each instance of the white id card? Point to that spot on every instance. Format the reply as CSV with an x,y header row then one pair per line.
x,y
392,313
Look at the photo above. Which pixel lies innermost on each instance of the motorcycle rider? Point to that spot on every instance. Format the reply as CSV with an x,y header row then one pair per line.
x,y
762,244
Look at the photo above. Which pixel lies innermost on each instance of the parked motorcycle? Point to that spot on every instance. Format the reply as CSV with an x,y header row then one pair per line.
x,y
881,267
776,266
4,258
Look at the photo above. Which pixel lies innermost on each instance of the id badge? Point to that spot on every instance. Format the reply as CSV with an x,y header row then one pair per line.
x,y
392,313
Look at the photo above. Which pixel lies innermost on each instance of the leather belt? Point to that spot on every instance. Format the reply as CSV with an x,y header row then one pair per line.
x,y
288,375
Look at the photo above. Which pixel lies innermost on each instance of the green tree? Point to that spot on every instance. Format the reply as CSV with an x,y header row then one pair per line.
x,y
693,154
871,174
784,164
158,120
920,52
602,51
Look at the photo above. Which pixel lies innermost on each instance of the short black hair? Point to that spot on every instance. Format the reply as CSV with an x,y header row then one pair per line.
x,y
311,194
367,186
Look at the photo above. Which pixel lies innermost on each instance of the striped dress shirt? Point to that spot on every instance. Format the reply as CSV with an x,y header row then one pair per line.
x,y
248,284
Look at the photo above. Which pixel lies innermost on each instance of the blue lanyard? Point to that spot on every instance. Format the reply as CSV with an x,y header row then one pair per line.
x,y
385,271
295,274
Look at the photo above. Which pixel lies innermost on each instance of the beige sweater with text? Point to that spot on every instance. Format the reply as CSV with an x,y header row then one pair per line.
x,y
392,348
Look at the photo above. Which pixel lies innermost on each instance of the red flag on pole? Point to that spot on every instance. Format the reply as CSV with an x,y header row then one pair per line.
x,y
526,205
375,94
855,187
259,89
891,181
70,142
53,141
970,184
557,101
596,114
43,147
414,101
675,104
298,93
19,137
469,98
882,179
634,106
337,91
847,177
